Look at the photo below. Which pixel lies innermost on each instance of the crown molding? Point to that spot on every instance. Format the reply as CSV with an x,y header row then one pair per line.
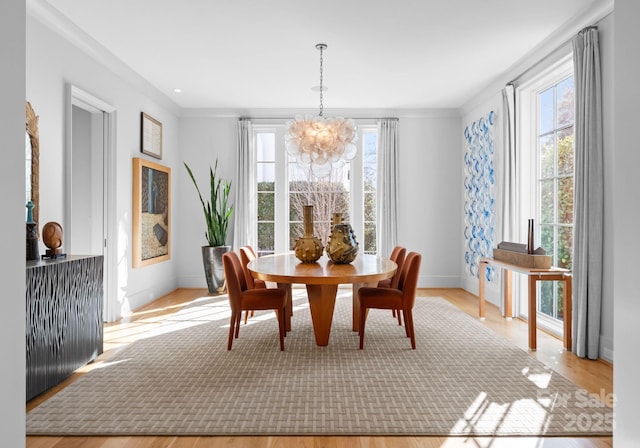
x,y
50,17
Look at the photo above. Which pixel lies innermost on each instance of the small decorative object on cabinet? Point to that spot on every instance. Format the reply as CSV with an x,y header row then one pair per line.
x,y
32,235
52,238
308,248
342,247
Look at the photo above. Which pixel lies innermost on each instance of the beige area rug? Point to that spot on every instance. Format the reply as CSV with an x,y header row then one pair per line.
x,y
462,379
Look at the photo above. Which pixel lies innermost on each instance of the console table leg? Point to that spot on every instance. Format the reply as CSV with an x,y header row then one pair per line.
x,y
533,310
567,306
481,275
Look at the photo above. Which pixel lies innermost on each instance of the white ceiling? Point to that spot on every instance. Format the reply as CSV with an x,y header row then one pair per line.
x,y
241,54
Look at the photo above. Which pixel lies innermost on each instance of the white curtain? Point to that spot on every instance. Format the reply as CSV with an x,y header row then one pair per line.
x,y
508,170
246,207
387,228
588,195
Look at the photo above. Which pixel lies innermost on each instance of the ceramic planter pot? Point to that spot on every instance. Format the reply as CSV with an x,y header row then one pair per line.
x,y
213,268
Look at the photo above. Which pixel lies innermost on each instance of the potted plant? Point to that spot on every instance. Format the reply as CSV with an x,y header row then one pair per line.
x,y
217,214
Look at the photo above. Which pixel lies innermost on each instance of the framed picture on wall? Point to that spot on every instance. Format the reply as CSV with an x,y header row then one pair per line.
x,y
151,213
151,136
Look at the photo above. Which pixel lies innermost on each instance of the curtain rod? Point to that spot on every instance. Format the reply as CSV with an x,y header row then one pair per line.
x,y
581,32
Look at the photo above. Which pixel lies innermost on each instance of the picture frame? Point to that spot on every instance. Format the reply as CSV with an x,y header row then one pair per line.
x,y
151,218
150,136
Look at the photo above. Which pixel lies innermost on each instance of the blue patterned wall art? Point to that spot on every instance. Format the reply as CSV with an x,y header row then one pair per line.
x,y
479,188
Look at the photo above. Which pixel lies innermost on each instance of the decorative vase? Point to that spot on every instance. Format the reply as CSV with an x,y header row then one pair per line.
x,y
33,252
308,248
342,247
213,268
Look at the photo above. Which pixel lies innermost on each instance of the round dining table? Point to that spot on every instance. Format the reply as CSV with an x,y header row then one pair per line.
x,y
321,280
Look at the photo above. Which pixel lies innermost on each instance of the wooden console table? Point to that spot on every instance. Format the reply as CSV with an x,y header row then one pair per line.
x,y
534,275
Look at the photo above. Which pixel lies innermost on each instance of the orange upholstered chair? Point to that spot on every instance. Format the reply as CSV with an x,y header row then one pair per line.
x,y
402,298
397,255
247,254
241,298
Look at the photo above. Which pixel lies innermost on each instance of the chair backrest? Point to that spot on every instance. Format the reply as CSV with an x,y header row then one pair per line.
x,y
408,282
397,255
234,276
247,254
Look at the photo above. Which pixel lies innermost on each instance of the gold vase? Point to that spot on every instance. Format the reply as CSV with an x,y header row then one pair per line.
x,y
308,248
342,247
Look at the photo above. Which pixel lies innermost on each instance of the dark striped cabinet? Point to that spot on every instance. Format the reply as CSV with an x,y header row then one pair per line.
x,y
64,318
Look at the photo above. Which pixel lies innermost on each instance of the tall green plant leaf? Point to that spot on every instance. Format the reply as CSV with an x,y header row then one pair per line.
x,y
217,212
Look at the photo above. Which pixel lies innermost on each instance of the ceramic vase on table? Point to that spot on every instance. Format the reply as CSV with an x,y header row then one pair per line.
x,y
342,247
308,248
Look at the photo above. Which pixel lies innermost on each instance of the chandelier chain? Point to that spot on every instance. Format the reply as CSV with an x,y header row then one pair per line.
x,y
321,88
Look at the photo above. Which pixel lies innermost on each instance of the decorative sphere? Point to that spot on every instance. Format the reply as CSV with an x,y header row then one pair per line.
x,y
52,235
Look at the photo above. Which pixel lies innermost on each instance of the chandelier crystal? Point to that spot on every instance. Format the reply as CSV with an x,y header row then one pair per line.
x,y
320,143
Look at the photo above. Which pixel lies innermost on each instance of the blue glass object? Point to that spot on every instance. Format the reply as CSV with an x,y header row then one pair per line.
x,y
479,188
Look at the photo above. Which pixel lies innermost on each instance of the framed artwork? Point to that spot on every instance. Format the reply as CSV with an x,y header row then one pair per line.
x,y
151,212
151,136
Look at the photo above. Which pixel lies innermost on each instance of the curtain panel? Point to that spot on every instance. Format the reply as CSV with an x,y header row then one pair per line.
x,y
246,208
387,228
588,195
508,176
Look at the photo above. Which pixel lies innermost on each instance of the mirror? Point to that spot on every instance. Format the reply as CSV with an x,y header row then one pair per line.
x,y
32,156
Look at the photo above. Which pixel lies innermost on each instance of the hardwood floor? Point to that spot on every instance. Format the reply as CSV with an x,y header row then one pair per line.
x,y
594,376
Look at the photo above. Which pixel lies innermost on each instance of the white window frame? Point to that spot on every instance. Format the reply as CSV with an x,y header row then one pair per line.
x,y
527,127
281,205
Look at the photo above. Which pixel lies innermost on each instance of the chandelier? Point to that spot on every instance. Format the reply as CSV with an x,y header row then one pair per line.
x,y
320,143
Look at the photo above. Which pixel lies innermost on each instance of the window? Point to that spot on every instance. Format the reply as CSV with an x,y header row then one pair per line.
x,y
555,185
283,187
546,141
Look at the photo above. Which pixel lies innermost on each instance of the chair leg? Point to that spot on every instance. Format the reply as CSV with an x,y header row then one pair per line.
x,y
408,322
399,317
232,329
246,316
406,325
238,318
363,319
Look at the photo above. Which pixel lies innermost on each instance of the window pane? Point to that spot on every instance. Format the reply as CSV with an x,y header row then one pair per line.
x,y
565,247
266,146
559,296
565,102
547,157
565,151
266,186
370,207
266,211
266,172
265,237
547,202
565,200
296,230
297,174
546,298
369,238
547,108
546,239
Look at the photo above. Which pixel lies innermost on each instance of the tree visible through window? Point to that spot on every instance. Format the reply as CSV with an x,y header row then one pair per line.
x,y
555,186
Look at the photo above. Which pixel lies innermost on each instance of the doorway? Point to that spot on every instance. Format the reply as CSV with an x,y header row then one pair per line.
x,y
89,189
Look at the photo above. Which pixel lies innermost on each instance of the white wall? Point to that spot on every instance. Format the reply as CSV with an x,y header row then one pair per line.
x,y
52,63
12,225
492,100
428,189
626,216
